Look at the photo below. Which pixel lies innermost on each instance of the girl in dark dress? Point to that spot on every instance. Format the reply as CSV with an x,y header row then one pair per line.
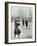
x,y
26,22
17,30
23,22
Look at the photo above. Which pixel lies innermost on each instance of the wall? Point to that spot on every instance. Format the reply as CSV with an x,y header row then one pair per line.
x,y
2,24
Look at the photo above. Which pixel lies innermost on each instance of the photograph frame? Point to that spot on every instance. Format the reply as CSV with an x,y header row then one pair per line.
x,y
6,22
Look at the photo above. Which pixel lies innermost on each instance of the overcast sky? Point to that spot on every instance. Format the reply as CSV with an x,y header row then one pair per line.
x,y
17,11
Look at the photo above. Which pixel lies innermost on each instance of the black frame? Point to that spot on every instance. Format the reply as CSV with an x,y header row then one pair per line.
x,y
6,21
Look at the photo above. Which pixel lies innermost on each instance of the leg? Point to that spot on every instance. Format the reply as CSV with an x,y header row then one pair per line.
x,y
18,35
14,36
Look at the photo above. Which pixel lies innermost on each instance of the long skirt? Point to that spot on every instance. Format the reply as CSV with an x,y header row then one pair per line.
x,y
17,31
